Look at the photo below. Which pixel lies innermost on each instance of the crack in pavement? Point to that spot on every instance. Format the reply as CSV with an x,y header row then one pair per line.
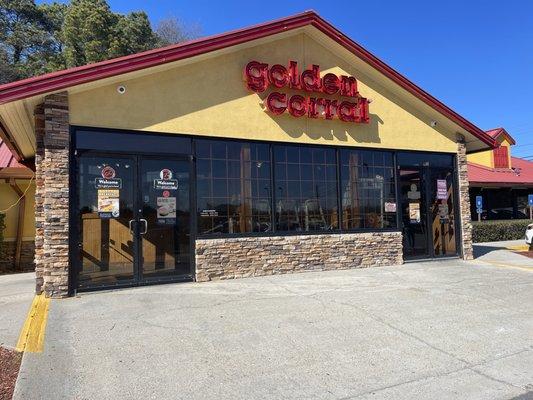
x,y
468,365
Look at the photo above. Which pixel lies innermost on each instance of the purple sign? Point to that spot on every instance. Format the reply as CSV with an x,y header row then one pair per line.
x,y
442,192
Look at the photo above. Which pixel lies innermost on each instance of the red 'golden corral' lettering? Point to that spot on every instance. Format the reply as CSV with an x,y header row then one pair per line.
x,y
298,106
255,76
276,103
259,77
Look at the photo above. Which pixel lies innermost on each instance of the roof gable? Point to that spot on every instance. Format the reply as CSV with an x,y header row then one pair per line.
x,y
497,133
60,80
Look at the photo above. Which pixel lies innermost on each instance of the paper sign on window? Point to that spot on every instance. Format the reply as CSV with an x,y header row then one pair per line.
x,y
166,210
414,213
442,191
108,203
390,207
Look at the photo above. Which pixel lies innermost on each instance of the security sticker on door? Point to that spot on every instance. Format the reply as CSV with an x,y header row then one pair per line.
x,y
108,203
166,210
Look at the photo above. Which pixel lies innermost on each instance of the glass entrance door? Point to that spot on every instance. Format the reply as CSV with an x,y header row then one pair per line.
x,y
442,212
164,218
414,213
106,188
427,206
133,220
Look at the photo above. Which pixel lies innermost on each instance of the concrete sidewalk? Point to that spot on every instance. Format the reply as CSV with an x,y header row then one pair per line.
x,y
441,330
16,294
503,253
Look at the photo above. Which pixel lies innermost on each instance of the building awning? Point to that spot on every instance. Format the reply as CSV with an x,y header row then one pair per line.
x,y
520,174
9,166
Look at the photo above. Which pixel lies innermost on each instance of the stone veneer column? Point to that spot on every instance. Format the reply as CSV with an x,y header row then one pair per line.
x,y
464,201
52,196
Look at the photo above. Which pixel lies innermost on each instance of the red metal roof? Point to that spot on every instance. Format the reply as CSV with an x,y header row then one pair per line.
x,y
7,159
74,76
521,173
496,132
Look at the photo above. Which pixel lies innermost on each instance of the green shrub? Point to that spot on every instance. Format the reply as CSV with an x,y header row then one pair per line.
x,y
494,231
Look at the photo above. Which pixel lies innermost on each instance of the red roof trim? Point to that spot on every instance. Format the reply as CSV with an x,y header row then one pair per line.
x,y
88,73
497,132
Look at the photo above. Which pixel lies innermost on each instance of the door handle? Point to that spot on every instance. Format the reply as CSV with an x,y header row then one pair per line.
x,y
129,224
145,226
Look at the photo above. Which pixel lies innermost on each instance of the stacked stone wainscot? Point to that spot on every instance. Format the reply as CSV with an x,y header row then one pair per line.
x,y
230,258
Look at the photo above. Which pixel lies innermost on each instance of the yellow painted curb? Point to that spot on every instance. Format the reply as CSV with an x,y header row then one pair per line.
x,y
499,264
522,247
31,337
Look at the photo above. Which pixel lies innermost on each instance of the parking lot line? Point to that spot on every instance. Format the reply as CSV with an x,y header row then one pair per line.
x,y
31,337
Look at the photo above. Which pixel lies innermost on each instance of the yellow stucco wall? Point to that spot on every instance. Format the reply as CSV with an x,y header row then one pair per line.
x,y
8,197
210,98
486,158
483,158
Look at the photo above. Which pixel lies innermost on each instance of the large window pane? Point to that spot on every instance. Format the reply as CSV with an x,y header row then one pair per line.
x,y
368,191
306,189
233,192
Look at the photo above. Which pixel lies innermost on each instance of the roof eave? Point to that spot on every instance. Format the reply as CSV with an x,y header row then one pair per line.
x,y
75,76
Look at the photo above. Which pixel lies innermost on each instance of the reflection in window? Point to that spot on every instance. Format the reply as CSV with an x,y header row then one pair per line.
x,y
233,187
306,188
368,190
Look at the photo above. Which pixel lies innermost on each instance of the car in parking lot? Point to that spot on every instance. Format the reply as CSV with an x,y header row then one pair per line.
x,y
529,235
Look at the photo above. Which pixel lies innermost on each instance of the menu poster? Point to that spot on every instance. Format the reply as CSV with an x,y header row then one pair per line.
x,y
414,213
166,210
108,203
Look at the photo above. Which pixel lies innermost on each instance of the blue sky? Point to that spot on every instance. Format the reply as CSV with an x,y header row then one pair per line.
x,y
475,56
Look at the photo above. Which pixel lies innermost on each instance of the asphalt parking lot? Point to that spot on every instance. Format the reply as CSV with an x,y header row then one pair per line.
x,y
445,329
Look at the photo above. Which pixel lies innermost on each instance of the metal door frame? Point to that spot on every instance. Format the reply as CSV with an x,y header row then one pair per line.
x,y
75,250
425,191
139,202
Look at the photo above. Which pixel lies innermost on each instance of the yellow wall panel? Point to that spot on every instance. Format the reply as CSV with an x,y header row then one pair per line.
x,y
210,98
486,158
8,197
483,158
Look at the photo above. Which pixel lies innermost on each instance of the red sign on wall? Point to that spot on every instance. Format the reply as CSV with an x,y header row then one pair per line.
x,y
259,77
